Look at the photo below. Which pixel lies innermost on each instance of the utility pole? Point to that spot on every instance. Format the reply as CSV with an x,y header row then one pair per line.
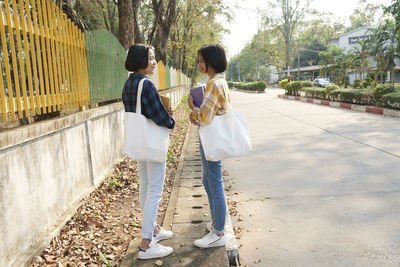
x,y
239,69
258,50
298,59
288,41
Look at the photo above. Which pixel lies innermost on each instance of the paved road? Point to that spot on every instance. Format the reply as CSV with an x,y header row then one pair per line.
x,y
321,187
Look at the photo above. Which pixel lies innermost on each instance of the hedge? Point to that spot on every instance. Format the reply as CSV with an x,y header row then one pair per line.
x,y
380,91
330,88
305,84
314,92
356,96
293,88
283,83
385,96
391,100
251,86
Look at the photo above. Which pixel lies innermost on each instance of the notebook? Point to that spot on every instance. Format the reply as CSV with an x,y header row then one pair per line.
x,y
197,95
166,101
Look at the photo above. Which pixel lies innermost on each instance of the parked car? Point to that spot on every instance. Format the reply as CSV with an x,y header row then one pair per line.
x,y
322,82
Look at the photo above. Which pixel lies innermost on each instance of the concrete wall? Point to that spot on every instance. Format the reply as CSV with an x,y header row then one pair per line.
x,y
46,167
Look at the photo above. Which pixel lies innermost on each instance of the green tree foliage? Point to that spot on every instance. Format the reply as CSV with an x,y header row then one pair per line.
x,y
243,66
385,46
366,14
196,25
285,15
309,53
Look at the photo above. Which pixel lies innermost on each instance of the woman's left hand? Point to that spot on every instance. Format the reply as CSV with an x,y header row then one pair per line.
x,y
190,102
170,112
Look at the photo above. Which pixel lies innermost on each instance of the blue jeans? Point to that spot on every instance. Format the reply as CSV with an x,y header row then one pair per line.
x,y
151,184
213,184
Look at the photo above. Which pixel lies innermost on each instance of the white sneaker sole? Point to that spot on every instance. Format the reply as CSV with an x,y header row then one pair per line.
x,y
210,245
144,257
160,239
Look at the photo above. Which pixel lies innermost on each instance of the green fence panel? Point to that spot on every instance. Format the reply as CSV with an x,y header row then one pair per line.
x,y
106,61
168,76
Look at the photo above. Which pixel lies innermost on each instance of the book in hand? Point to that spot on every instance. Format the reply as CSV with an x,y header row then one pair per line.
x,y
166,101
197,95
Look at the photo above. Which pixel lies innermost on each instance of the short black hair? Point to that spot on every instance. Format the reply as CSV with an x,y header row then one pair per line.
x,y
214,56
138,57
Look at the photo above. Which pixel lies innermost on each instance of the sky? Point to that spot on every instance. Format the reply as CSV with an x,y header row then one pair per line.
x,y
244,23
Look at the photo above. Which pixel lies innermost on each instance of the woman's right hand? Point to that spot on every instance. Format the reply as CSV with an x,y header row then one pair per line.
x,y
191,118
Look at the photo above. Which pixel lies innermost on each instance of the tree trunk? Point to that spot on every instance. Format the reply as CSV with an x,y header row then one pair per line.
x,y
392,75
164,21
126,23
160,44
138,34
111,15
68,8
174,48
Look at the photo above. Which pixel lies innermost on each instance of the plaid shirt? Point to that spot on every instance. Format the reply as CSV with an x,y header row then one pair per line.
x,y
152,106
214,100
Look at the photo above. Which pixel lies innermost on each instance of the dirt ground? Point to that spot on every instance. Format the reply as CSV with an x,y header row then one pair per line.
x,y
99,232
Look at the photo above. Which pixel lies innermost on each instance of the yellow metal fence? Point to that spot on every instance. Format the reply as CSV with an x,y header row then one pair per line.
x,y
43,60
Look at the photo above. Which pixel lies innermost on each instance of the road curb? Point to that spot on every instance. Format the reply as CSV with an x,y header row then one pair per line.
x,y
359,108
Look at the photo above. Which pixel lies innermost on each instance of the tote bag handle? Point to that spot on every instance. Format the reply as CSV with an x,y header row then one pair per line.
x,y
139,95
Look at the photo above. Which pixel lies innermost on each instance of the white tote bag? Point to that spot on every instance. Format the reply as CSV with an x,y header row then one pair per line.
x,y
226,136
144,140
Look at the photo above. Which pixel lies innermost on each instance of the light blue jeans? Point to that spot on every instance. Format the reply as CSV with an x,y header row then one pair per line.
x,y
213,184
151,184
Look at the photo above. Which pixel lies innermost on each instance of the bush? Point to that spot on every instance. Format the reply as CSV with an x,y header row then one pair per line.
x,y
293,88
382,74
255,86
330,88
368,81
392,99
252,86
346,82
364,84
283,83
230,84
306,84
239,85
314,92
382,90
357,83
357,96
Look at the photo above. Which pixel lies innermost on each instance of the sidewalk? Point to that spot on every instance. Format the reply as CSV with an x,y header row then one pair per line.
x,y
187,216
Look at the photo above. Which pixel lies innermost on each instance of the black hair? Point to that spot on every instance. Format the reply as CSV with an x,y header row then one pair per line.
x,y
138,57
214,56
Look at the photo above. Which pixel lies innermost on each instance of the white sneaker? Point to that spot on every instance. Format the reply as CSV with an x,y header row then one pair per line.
x,y
209,226
162,234
210,240
155,250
